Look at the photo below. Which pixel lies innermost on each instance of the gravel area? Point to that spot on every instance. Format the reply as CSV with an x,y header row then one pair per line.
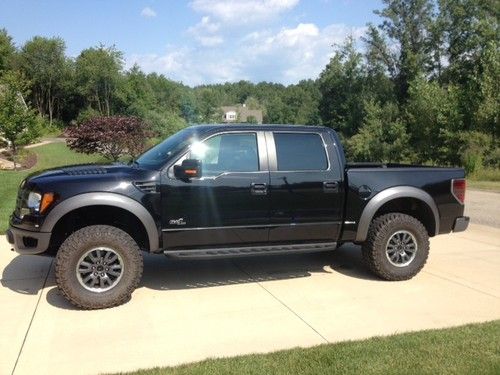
x,y
483,207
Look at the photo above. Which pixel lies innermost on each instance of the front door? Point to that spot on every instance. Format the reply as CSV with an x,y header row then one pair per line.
x,y
306,190
228,205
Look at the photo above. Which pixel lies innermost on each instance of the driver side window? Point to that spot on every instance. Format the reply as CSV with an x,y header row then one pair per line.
x,y
231,152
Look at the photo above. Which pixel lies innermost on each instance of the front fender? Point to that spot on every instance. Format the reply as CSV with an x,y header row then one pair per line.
x,y
105,199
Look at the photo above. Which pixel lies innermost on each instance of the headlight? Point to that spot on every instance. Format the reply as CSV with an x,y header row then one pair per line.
x,y
34,200
38,203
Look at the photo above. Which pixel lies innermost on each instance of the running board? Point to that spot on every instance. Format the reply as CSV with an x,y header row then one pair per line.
x,y
229,252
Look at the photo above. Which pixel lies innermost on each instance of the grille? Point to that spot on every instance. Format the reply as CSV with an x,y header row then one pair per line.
x,y
146,186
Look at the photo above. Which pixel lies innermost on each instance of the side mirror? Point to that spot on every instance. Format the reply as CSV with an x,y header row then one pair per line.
x,y
188,169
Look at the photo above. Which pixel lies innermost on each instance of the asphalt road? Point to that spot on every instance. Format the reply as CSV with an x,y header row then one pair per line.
x,y
186,311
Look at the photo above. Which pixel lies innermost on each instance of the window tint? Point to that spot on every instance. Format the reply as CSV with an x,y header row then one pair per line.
x,y
227,153
300,152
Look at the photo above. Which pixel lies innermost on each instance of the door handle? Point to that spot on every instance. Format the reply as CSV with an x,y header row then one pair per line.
x,y
258,189
331,186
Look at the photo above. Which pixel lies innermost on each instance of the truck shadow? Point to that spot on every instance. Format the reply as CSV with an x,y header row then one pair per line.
x,y
161,273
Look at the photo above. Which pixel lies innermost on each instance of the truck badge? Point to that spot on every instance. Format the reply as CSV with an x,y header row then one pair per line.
x,y
179,221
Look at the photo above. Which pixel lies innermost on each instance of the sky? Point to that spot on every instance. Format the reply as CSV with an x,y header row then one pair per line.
x,y
200,41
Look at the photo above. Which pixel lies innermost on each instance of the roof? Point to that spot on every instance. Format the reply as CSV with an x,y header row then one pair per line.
x,y
268,127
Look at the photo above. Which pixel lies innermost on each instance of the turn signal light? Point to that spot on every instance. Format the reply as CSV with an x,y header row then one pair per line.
x,y
47,200
458,188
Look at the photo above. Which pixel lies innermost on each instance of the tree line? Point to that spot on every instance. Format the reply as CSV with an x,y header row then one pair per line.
x,y
422,86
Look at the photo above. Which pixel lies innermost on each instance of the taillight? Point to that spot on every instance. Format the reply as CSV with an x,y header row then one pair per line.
x,y
458,187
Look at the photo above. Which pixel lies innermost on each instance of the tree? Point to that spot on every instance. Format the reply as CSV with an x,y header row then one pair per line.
x,y
98,75
407,25
208,106
111,137
433,119
7,50
43,62
341,84
382,137
17,121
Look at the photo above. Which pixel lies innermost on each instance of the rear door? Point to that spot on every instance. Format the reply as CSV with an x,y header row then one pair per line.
x,y
306,191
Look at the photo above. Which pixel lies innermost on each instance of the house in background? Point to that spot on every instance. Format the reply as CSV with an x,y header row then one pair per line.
x,y
241,113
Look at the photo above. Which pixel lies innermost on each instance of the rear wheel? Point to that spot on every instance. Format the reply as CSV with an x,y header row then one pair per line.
x,y
98,266
397,246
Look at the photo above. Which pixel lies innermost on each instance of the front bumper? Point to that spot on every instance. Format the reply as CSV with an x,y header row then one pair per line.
x,y
28,242
461,224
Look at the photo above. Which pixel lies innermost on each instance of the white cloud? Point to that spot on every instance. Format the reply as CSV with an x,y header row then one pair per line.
x,y
243,11
148,12
205,32
296,53
190,66
286,55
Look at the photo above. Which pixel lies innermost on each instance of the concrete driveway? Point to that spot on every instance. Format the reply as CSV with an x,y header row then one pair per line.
x,y
190,310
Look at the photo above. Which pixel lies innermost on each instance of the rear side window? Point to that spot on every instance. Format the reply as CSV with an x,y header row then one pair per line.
x,y
300,152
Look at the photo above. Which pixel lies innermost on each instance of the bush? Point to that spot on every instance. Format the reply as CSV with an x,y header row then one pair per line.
x,y
111,136
164,124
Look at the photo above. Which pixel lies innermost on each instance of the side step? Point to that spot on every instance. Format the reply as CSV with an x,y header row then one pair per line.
x,y
229,252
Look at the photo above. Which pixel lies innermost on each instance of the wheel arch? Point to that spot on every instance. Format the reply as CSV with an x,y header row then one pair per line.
x,y
105,199
395,197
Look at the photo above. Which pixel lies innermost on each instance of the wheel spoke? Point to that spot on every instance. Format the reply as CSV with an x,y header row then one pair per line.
x,y
92,257
87,278
107,256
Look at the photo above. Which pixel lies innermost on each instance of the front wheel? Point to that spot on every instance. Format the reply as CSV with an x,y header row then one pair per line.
x,y
397,246
98,266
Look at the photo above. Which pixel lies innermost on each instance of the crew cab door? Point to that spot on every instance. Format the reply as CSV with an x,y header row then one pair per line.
x,y
306,190
228,205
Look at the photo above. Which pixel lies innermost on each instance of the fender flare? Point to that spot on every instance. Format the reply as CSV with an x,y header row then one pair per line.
x,y
105,199
388,195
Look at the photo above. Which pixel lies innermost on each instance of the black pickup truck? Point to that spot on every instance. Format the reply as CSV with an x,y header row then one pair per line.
x,y
226,191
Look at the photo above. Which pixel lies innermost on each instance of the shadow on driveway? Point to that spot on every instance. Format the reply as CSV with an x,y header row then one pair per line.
x,y
163,274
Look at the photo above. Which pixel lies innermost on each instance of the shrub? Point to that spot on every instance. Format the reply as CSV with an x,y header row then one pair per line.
x,y
111,137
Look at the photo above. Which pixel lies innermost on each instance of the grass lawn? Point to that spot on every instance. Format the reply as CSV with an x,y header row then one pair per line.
x,y
471,349
484,185
48,156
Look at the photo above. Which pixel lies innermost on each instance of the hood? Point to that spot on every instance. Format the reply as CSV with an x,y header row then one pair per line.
x,y
90,177
81,170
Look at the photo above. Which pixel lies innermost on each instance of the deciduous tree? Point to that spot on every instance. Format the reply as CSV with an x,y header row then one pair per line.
x,y
17,122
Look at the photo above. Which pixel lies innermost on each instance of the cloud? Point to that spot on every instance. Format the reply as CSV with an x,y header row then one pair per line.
x,y
205,32
286,56
294,53
148,12
191,66
243,11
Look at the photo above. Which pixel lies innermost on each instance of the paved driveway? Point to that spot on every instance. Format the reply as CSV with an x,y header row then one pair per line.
x,y
483,207
186,310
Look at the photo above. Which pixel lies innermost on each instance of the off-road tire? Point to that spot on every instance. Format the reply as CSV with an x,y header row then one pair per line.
x,y
374,248
80,242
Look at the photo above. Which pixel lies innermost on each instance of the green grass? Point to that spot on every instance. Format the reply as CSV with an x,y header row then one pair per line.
x,y
484,185
48,156
486,174
471,349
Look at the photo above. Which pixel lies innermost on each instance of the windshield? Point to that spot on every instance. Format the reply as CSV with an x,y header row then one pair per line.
x,y
158,155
